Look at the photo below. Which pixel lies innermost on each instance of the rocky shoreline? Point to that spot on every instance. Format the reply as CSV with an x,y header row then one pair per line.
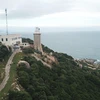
x,y
90,63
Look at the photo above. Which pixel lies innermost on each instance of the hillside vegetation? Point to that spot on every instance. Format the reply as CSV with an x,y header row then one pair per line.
x,y
4,52
64,81
4,55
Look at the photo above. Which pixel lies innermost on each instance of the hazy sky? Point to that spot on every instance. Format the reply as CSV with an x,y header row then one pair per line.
x,y
50,13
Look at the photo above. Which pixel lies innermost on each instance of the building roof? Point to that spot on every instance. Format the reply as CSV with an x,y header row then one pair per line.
x,y
10,35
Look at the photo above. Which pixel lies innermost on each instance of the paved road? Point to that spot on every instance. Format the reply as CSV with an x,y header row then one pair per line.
x,y
7,69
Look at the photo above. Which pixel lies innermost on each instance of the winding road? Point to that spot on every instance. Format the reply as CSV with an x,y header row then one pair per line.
x,y
7,70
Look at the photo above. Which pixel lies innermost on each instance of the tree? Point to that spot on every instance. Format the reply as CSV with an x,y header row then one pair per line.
x,y
19,95
24,79
4,52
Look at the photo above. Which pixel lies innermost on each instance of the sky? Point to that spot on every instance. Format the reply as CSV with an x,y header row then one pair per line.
x,y
50,13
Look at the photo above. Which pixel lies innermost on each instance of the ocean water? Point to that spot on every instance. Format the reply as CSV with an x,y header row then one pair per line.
x,y
80,44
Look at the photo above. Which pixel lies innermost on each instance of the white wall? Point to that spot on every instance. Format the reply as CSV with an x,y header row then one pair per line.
x,y
11,39
25,44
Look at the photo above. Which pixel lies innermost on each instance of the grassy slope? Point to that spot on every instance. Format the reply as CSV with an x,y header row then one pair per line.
x,y
4,92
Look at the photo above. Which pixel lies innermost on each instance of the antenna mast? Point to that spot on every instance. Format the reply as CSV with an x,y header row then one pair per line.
x,y
6,22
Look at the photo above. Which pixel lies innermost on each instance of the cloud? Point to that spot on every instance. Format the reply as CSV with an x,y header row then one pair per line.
x,y
87,5
34,8
50,12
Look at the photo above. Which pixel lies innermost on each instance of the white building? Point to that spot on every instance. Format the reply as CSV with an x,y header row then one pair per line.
x,y
25,44
11,39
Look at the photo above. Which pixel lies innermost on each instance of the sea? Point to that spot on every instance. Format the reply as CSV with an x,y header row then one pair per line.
x,y
78,44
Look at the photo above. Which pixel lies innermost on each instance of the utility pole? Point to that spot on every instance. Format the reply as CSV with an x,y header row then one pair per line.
x,y
6,22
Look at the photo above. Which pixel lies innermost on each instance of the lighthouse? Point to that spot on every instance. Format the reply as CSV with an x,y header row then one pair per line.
x,y
37,40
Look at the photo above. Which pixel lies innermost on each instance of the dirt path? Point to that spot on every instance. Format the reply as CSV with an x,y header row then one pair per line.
x,y
7,70
44,63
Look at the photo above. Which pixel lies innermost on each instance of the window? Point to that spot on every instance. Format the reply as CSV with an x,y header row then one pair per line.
x,y
6,39
2,39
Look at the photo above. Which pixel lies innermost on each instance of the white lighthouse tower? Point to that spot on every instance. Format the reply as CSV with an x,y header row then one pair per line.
x,y
37,40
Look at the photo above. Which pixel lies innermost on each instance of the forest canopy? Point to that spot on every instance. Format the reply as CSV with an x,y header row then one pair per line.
x,y
65,81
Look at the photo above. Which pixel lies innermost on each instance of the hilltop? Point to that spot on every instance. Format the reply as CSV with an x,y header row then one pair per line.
x,y
64,80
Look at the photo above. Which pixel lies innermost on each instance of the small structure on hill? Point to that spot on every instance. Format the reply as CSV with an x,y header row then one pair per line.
x,y
25,45
13,40
37,40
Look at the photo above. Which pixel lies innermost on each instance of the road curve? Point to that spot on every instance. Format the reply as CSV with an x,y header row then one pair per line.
x,y
7,70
